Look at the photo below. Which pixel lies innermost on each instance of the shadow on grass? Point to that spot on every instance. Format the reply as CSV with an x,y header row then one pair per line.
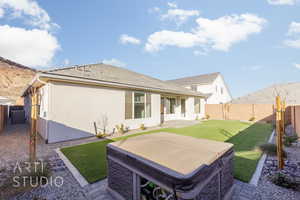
x,y
226,133
251,137
246,155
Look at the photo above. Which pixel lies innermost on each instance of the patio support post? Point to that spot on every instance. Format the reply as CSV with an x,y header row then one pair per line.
x,y
279,131
33,129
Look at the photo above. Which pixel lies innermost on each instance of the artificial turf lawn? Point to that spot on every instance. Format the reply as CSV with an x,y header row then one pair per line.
x,y
90,159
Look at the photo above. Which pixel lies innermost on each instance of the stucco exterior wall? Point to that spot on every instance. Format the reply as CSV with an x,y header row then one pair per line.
x,y
42,123
68,111
74,108
216,89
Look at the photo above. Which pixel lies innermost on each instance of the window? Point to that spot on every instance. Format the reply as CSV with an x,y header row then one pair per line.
x,y
194,87
216,88
197,105
221,90
137,105
170,105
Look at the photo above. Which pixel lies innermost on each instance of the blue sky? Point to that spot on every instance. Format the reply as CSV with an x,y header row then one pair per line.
x,y
253,43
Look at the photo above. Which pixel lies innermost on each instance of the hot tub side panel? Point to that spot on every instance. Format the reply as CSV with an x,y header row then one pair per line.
x,y
120,180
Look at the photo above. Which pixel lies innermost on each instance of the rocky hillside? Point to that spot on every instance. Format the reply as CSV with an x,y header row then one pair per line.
x,y
14,78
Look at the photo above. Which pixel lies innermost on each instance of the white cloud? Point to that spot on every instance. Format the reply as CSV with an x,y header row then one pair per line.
x,y
1,12
66,61
154,10
282,2
294,28
172,4
179,16
292,43
297,65
253,67
294,33
114,62
30,11
158,40
126,39
219,34
29,47
199,53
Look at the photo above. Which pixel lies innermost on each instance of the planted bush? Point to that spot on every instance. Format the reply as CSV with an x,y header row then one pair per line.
x,y
142,127
252,119
101,135
285,181
289,140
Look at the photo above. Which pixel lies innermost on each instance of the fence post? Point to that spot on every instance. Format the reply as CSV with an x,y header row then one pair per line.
x,y
279,132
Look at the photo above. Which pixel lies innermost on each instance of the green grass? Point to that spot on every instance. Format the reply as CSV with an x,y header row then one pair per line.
x,y
90,159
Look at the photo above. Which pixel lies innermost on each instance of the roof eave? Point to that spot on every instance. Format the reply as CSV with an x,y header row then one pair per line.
x,y
67,78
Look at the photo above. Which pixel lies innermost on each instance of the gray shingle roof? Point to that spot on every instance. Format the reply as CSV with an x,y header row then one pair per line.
x,y
289,91
200,79
112,74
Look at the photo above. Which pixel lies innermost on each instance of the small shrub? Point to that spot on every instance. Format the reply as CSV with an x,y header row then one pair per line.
x,y
285,181
288,140
120,128
252,119
142,127
207,116
270,149
101,135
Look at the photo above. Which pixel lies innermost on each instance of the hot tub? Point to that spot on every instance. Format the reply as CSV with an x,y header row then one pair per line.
x,y
170,166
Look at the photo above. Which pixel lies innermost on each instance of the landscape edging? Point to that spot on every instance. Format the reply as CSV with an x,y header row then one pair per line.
x,y
76,174
256,175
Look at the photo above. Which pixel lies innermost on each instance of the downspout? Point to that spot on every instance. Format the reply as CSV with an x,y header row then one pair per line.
x,y
47,132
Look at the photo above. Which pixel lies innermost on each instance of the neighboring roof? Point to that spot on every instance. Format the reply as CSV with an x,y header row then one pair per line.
x,y
199,80
117,75
5,101
288,91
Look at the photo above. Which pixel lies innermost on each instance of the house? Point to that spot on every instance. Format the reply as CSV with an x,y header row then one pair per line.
x,y
14,78
288,91
213,84
72,99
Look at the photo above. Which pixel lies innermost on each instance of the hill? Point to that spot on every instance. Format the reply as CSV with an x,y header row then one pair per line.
x,y
14,78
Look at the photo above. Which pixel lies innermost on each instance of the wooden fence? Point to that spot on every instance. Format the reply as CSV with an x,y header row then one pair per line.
x,y
295,118
255,112
3,117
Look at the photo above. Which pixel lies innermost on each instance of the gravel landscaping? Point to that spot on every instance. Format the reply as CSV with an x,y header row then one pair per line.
x,y
267,189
